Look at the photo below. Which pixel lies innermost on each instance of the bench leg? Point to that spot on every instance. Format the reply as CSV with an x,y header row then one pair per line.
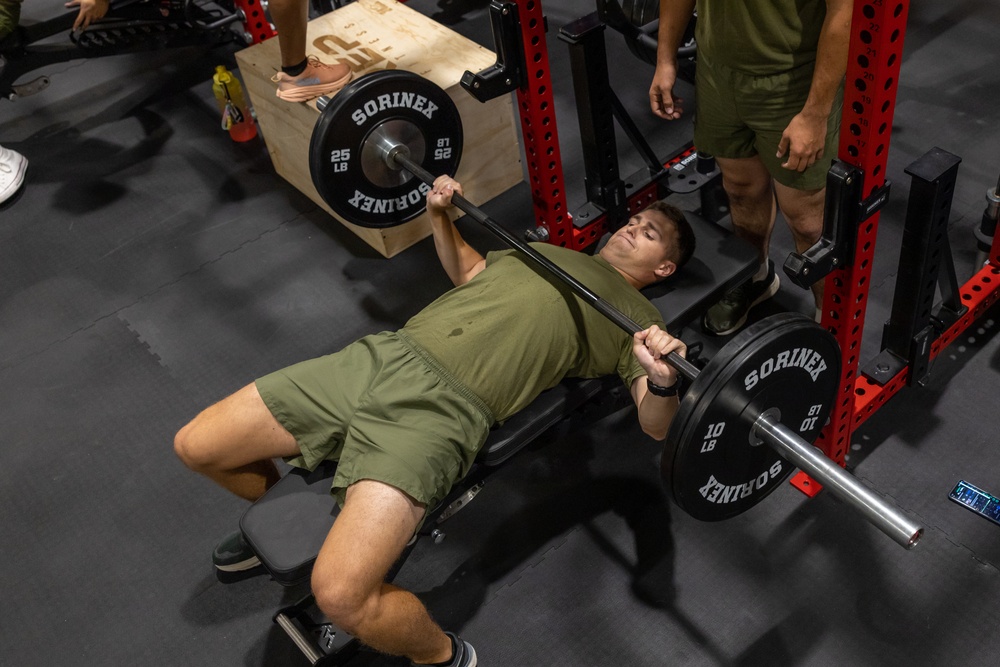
x,y
322,642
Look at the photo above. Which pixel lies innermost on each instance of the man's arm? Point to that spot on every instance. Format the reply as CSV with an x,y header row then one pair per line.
x,y
674,18
805,135
651,348
460,260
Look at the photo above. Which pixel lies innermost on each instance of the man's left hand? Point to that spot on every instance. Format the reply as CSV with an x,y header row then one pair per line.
x,y
651,347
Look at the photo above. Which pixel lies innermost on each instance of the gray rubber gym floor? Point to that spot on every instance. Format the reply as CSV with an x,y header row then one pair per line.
x,y
151,266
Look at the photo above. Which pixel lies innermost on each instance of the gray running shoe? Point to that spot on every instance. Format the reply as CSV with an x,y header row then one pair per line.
x,y
233,554
730,313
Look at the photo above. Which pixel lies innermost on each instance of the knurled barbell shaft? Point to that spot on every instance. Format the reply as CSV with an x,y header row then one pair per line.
x,y
801,453
683,366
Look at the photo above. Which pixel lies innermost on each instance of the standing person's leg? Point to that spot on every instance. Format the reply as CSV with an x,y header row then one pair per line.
x,y
721,129
290,20
348,579
752,208
751,200
800,194
804,209
302,78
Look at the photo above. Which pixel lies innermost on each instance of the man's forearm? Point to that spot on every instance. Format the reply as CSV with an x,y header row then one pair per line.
x,y
460,260
831,58
674,18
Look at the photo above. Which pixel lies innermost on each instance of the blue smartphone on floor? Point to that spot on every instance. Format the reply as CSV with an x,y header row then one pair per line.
x,y
977,500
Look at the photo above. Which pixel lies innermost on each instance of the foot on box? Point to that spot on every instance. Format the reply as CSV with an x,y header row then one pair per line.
x,y
318,78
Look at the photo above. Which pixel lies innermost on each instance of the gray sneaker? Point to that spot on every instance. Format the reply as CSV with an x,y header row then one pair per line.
x,y
730,313
464,655
233,554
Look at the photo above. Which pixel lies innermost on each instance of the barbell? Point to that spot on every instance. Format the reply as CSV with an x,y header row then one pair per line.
x,y
373,157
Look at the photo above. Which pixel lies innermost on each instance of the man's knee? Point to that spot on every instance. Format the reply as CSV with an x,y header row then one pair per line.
x,y
341,598
746,180
803,210
192,448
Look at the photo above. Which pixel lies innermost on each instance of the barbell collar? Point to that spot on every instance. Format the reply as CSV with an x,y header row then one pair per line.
x,y
842,484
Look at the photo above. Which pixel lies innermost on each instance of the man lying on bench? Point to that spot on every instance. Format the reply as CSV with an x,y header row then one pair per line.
x,y
406,412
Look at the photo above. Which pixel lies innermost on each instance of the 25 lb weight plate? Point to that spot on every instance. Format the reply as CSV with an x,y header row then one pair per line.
x,y
347,156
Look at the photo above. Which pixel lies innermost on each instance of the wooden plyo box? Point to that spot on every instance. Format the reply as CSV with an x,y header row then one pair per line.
x,y
370,35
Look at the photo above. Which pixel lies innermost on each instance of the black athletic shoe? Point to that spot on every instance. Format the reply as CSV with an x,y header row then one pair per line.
x,y
464,655
730,313
233,554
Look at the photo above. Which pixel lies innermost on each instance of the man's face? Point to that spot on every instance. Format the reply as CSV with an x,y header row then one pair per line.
x,y
641,248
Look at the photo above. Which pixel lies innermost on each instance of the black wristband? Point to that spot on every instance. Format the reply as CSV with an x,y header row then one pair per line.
x,y
658,390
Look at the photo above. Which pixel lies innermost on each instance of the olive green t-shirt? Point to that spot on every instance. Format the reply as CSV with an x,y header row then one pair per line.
x,y
514,330
759,37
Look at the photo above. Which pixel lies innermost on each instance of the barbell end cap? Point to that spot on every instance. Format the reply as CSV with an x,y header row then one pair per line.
x,y
392,151
322,102
538,234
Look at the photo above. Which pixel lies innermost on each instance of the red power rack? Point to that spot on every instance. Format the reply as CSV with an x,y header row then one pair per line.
x,y
874,60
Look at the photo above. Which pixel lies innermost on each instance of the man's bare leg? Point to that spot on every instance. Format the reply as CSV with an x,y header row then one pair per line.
x,y
290,18
233,443
348,579
803,209
752,207
751,200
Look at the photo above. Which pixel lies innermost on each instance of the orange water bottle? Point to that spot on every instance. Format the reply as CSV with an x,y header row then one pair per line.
x,y
235,113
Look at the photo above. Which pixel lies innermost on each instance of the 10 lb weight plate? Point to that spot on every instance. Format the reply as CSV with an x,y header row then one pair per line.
x,y
713,463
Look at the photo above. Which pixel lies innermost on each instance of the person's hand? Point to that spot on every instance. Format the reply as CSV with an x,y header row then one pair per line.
x,y
651,348
662,100
90,11
802,141
439,196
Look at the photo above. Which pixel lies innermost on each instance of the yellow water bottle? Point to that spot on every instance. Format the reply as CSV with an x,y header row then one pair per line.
x,y
235,114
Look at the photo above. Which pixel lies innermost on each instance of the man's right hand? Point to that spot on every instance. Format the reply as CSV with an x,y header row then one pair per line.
x,y
439,196
662,100
90,11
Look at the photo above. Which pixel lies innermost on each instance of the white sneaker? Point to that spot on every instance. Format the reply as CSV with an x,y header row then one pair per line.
x,y
12,168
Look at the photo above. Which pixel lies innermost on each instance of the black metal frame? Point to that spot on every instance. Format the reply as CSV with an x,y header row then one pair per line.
x,y
131,26
926,266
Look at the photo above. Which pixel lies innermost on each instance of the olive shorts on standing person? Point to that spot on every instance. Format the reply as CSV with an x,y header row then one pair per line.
x,y
740,115
386,411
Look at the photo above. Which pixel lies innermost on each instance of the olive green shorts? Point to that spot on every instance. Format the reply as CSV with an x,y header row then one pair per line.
x,y
740,115
385,411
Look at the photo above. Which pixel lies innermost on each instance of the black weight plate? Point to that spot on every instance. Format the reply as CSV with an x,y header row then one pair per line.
x,y
347,163
786,364
640,13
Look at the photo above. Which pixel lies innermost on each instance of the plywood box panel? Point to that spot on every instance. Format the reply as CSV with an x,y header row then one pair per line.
x,y
371,35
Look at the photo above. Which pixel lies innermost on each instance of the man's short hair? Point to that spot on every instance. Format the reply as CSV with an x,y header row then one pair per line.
x,y
685,242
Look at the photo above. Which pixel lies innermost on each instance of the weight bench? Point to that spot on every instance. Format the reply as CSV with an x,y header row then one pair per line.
x,y
288,525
